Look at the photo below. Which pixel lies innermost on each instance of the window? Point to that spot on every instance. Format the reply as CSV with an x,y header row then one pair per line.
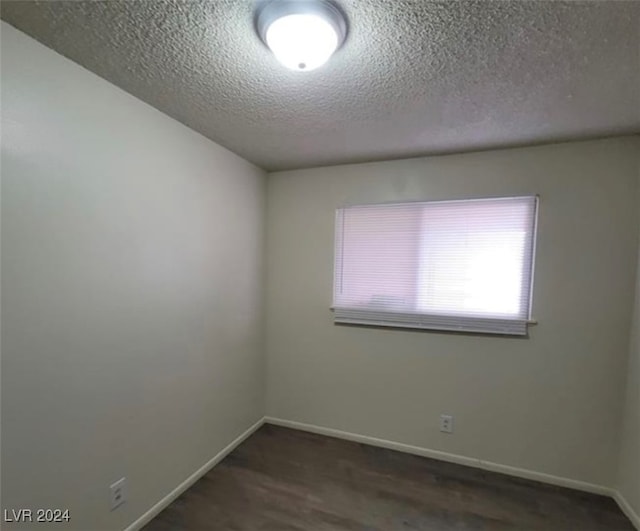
x,y
442,265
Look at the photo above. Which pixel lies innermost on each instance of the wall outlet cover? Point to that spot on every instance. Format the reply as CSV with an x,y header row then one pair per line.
x,y
118,493
446,423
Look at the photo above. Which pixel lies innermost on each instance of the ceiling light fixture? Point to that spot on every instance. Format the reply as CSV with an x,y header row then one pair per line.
x,y
302,34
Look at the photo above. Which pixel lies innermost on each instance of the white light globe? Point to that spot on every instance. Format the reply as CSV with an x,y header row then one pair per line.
x,y
302,42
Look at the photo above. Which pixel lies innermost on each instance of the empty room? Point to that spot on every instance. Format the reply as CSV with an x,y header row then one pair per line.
x,y
320,265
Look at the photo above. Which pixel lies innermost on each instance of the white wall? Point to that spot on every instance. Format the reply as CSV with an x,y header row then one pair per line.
x,y
551,403
629,469
131,293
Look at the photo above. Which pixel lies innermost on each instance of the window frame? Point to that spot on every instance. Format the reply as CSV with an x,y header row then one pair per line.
x,y
436,321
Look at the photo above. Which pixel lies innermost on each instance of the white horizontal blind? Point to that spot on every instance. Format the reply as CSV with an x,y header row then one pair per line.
x,y
445,265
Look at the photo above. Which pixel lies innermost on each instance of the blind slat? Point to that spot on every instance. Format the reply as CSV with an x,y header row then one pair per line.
x,y
457,265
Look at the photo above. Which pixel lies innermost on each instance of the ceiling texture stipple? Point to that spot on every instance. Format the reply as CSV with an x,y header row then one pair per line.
x,y
413,78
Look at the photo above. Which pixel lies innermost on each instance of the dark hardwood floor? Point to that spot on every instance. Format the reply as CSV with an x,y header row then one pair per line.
x,y
285,480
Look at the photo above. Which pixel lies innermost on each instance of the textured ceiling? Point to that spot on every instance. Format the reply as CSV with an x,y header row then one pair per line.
x,y
414,77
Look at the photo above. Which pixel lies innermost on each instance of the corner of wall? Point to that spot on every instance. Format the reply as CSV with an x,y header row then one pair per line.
x,y
628,473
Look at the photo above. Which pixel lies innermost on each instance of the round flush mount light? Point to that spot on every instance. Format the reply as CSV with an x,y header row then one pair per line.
x,y
302,34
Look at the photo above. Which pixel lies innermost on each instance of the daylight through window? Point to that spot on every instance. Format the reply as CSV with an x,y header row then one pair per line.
x,y
443,265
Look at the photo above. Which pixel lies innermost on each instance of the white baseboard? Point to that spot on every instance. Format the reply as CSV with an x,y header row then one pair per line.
x,y
383,443
468,461
164,502
445,456
627,509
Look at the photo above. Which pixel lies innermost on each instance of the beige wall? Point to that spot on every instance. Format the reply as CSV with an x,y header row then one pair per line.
x,y
629,470
550,403
132,304
131,293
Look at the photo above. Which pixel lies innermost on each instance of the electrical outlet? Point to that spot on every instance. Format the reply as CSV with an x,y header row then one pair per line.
x,y
446,423
118,493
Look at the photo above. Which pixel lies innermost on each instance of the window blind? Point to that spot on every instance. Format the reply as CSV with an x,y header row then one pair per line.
x,y
463,265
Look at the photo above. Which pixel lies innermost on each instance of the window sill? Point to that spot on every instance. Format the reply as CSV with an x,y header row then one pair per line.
x,y
438,323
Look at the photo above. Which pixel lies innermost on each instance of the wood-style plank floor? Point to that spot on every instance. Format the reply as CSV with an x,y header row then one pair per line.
x,y
284,480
